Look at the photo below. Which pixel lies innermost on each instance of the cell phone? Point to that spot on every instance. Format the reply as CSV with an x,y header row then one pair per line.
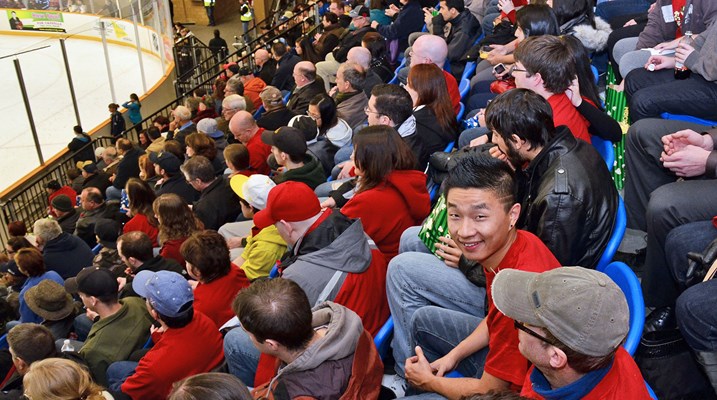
x,y
499,69
487,48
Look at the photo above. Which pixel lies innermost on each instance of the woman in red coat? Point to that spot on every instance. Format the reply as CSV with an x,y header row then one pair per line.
x,y
390,195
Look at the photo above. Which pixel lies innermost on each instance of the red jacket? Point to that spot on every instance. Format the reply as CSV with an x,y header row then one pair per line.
x,y
214,299
170,249
252,88
140,222
623,381
387,210
258,152
67,191
177,354
453,91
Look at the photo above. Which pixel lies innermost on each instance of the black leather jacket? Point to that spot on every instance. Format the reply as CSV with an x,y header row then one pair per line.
x,y
569,200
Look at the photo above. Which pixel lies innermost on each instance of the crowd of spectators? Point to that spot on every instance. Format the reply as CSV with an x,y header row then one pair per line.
x,y
262,234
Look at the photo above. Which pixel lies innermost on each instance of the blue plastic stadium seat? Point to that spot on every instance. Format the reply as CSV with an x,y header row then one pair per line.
x,y
96,249
469,70
464,88
461,111
258,112
274,271
604,147
382,340
688,118
432,187
3,342
626,279
595,73
618,231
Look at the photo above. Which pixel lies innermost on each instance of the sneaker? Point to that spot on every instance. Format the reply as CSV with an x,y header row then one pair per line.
x,y
396,384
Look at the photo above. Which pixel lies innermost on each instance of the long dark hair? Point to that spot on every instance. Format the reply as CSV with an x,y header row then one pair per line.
x,y
141,196
378,150
430,84
586,76
327,109
536,20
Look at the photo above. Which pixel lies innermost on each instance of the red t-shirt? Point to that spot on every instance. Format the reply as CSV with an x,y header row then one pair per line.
x,y
564,113
504,361
140,223
177,354
623,381
214,299
453,92
258,152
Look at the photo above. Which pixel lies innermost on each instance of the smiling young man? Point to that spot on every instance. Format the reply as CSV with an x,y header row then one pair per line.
x,y
435,306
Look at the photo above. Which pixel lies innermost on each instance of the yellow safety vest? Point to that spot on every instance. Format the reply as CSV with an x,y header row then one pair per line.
x,y
246,13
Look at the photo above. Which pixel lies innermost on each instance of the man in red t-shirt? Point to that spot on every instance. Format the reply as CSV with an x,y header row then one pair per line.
x,y
482,213
245,130
432,49
571,322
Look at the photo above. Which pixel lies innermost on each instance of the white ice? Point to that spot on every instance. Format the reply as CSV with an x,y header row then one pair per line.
x,y
49,93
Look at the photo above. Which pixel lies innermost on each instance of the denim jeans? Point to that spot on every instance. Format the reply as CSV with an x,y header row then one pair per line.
x,y
82,326
113,193
692,237
608,10
241,355
416,280
118,372
697,316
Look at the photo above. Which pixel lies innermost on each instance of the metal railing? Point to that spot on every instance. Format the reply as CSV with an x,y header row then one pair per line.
x,y
189,53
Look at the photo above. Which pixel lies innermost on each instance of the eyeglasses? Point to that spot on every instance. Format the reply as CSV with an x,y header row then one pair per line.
x,y
522,327
514,69
368,111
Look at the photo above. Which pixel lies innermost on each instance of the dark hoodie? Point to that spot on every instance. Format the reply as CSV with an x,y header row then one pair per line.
x,y
311,173
67,255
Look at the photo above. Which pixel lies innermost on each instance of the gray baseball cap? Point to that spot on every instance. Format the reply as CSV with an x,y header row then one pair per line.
x,y
584,309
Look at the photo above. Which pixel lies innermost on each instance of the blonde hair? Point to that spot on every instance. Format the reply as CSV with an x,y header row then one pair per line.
x,y
60,379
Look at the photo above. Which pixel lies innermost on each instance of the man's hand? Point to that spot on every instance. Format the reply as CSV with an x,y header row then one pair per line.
x,y
449,251
689,162
495,56
153,329
121,282
345,169
683,51
677,141
573,93
374,24
390,11
334,89
630,23
91,315
506,6
660,62
234,242
328,203
418,371
444,365
482,139
669,45
427,16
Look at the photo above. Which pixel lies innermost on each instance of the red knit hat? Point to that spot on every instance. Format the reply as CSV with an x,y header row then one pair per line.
x,y
291,201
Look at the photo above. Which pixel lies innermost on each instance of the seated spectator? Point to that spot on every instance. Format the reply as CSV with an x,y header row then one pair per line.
x,y
216,281
143,139
348,94
234,86
28,343
246,131
75,179
326,69
65,213
208,126
324,352
18,229
135,249
206,110
481,199
200,144
390,195
140,197
463,32
285,63
210,386
176,224
54,189
63,253
187,343
432,49
109,161
288,146
217,204
122,325
29,261
49,300
266,66
78,143
327,133
376,45
254,250
570,338
435,123
127,168
362,57
230,106
276,114
407,20
237,158
307,86
147,171
11,274
57,378
107,231
573,215
182,125
94,207
168,166
156,139
650,93
93,178
252,85
321,242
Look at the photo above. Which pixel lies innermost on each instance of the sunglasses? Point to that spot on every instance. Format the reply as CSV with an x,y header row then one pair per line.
x,y
522,327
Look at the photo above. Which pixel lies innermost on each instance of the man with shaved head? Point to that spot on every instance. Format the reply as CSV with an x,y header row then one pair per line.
x,y
432,49
246,131
361,56
307,86
266,65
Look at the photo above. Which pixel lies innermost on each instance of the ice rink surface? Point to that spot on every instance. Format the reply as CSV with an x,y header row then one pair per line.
x,y
49,93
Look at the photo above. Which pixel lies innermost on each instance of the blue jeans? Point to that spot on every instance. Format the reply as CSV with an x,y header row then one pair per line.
x,y
118,372
241,355
112,193
416,280
82,327
464,139
697,316
691,237
608,10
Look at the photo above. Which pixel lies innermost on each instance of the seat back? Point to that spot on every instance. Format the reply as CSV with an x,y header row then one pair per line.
x,y
464,88
688,118
618,231
382,340
626,279
96,249
604,147
274,271
461,111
